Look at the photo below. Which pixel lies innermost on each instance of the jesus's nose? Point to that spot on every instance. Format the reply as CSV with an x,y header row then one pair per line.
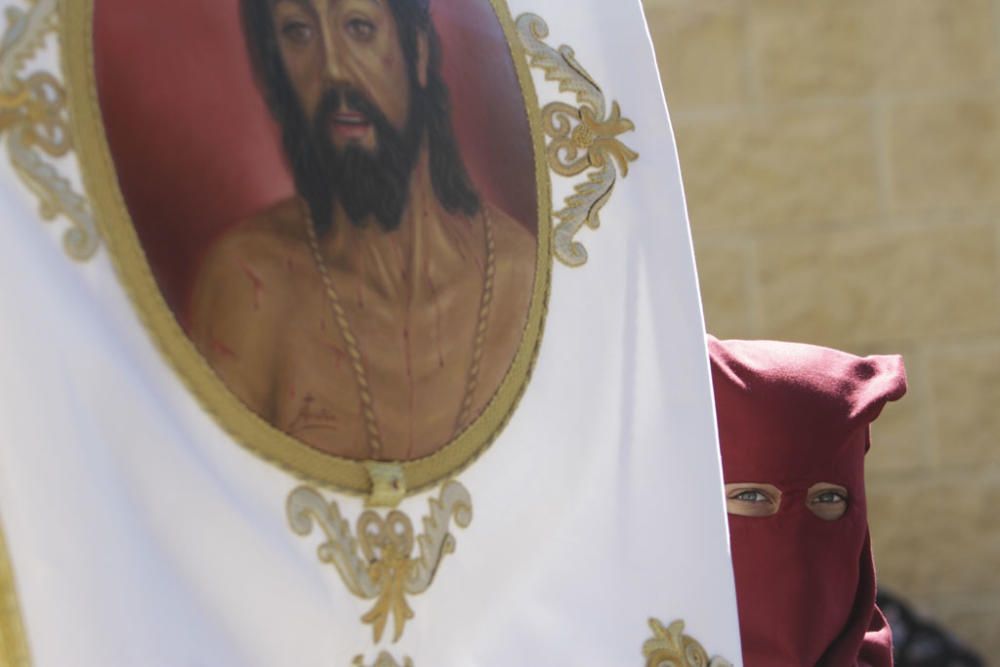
x,y
335,71
336,68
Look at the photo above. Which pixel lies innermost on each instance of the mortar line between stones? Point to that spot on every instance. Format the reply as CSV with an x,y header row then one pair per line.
x,y
753,292
751,69
995,7
996,269
928,415
883,154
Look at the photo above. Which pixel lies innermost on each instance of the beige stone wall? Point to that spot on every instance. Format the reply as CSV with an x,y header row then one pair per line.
x,y
842,168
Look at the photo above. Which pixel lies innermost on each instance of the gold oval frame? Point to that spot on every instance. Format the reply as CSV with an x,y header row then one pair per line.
x,y
251,431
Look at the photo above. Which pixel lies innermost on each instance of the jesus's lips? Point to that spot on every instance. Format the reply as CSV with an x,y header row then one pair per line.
x,y
349,124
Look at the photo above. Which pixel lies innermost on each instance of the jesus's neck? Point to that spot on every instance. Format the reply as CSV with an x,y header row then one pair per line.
x,y
429,246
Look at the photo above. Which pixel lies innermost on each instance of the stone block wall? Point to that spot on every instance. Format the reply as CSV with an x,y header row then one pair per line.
x,y
841,161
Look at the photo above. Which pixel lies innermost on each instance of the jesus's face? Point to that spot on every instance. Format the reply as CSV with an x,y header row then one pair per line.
x,y
345,45
360,92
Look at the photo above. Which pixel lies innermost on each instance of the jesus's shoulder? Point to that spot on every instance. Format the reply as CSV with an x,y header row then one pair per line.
x,y
242,297
262,244
244,276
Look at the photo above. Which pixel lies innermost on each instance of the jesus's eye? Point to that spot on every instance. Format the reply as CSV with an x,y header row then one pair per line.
x,y
297,31
360,29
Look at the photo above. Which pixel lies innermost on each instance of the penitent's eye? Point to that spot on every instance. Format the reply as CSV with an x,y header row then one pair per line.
x,y
297,31
827,501
752,499
360,29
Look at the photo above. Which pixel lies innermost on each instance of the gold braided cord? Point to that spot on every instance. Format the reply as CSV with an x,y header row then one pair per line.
x,y
13,640
484,316
354,352
357,364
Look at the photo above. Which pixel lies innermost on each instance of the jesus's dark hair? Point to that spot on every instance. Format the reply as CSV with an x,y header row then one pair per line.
x,y
449,177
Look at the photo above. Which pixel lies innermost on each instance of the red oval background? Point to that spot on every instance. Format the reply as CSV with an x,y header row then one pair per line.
x,y
195,148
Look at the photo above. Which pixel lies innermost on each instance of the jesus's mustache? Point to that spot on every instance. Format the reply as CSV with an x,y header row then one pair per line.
x,y
368,183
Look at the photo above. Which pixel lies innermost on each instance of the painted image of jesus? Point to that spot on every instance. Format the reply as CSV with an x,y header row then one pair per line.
x,y
374,314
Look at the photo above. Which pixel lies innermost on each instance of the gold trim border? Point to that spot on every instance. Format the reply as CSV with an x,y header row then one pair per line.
x,y
114,222
14,650
670,646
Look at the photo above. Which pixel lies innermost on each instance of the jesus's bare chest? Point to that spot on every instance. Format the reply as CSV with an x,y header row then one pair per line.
x,y
400,367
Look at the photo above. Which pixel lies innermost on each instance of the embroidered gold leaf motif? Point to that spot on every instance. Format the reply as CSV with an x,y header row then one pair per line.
x,y
383,660
378,564
670,647
581,138
35,123
14,650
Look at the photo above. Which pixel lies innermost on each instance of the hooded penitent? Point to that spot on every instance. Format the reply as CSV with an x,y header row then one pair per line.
x,y
793,416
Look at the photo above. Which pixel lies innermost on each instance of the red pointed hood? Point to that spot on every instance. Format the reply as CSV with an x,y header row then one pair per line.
x,y
794,415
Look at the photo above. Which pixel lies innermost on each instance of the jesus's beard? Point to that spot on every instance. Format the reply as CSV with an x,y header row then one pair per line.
x,y
369,183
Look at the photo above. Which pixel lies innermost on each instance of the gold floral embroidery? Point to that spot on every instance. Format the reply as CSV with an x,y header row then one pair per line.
x,y
377,564
383,660
35,122
670,647
13,642
580,138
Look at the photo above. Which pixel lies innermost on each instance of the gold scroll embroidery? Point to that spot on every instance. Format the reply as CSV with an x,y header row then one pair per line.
x,y
377,564
383,660
35,122
670,647
13,642
580,138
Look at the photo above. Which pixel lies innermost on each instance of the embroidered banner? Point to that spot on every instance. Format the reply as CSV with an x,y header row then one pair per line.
x,y
350,332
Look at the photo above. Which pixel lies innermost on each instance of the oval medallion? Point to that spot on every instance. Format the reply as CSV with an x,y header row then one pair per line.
x,y
333,216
